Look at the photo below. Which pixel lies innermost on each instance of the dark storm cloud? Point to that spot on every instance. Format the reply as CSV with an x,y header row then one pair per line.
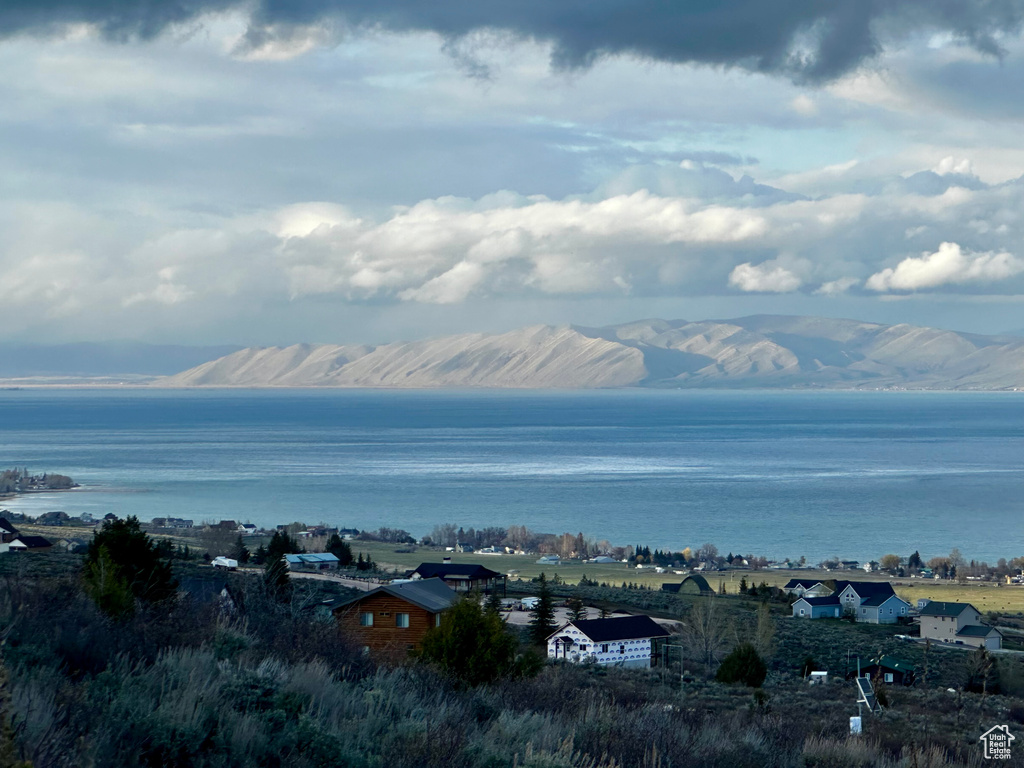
x,y
812,40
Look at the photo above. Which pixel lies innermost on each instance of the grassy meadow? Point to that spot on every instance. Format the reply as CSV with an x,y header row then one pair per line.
x,y
984,596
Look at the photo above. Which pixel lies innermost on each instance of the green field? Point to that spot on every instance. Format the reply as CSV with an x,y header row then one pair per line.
x,y
984,596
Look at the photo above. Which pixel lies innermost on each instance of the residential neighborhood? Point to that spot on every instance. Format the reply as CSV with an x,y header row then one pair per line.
x,y
871,602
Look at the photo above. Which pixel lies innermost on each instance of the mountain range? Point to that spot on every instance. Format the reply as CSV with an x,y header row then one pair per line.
x,y
748,352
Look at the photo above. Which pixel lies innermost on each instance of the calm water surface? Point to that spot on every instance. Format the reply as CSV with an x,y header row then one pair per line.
x,y
780,474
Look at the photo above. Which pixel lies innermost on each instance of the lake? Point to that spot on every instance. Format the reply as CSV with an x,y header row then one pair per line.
x,y
775,473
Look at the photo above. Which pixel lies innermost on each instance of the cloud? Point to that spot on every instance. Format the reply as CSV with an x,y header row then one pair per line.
x,y
764,278
837,287
810,42
948,265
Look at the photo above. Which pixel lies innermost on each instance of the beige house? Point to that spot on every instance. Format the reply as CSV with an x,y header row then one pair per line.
x,y
958,623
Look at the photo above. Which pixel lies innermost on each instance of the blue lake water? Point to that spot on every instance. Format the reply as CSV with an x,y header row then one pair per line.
x,y
775,473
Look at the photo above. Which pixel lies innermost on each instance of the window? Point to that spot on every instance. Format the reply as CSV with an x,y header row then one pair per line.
x,y
604,648
437,619
888,677
622,649
801,611
366,619
402,620
583,646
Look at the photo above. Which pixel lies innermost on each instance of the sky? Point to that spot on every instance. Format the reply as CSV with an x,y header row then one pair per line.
x,y
271,172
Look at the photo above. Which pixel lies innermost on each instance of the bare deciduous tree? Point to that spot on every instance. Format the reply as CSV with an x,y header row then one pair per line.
x,y
764,633
705,631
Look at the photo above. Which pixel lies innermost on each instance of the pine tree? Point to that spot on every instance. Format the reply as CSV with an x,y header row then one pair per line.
x,y
125,564
474,645
276,578
239,551
493,604
577,611
542,622
743,665
275,568
340,549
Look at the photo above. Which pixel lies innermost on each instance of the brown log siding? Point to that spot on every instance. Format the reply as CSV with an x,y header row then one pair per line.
x,y
385,636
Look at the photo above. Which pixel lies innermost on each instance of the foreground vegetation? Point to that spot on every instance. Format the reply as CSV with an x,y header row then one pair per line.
x,y
265,678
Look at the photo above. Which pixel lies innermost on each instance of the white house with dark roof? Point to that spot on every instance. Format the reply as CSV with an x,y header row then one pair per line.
x,y
627,641
958,623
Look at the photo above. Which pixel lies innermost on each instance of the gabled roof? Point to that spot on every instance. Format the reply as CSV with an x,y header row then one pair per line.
x,y
619,628
452,571
977,630
827,600
6,527
865,589
429,594
805,583
937,608
876,600
33,542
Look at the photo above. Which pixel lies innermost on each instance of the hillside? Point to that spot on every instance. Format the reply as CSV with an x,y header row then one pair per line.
x,y
758,351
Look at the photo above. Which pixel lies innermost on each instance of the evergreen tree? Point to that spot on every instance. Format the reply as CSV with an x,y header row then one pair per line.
x,y
338,547
275,568
276,578
239,551
123,561
493,604
259,557
542,621
474,645
743,665
282,544
577,611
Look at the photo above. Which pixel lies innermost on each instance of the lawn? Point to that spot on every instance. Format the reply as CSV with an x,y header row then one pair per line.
x,y
984,596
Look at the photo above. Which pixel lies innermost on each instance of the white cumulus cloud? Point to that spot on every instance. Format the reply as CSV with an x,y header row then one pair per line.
x,y
948,265
767,277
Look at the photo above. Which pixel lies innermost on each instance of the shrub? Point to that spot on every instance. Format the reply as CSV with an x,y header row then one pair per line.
x,y
743,665
474,645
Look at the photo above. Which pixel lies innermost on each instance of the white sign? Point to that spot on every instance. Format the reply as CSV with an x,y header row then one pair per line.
x,y
997,742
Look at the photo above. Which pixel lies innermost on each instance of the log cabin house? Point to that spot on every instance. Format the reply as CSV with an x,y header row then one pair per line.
x,y
392,619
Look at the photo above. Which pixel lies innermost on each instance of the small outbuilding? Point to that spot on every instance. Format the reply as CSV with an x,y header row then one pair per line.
x,y
886,669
